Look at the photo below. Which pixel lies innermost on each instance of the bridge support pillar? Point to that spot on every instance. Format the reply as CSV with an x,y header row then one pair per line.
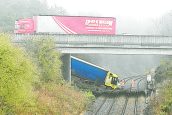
x,y
66,68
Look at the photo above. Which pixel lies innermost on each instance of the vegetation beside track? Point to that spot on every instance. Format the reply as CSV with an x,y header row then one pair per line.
x,y
162,103
32,82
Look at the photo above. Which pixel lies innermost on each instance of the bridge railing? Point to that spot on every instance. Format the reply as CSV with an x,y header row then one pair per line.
x,y
104,40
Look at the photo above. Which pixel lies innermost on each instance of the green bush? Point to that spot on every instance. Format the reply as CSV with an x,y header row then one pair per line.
x,y
164,71
17,73
54,95
163,102
47,58
90,95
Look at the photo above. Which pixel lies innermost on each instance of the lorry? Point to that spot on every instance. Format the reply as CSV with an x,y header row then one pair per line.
x,y
66,25
94,73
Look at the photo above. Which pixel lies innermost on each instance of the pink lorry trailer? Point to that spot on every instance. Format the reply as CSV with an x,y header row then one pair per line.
x,y
66,25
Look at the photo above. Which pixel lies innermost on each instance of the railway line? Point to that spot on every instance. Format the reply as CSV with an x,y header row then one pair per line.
x,y
126,102
132,103
137,97
113,105
108,105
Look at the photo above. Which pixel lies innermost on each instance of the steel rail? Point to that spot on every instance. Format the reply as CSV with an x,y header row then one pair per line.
x,y
137,96
116,98
126,102
96,113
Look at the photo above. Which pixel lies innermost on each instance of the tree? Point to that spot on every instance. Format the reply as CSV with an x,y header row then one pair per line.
x,y
17,74
47,58
12,10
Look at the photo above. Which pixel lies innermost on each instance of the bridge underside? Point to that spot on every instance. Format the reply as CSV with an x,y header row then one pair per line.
x,y
118,51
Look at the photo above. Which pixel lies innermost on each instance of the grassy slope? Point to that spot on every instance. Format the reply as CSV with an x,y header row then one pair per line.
x,y
48,96
162,104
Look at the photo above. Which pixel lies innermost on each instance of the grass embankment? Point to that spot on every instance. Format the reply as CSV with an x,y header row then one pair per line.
x,y
34,85
162,104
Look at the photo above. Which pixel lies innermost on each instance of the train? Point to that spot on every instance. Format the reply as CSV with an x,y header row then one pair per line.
x,y
94,73
53,24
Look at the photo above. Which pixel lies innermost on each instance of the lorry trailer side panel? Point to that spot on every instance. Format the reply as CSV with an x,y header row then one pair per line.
x,y
87,71
68,25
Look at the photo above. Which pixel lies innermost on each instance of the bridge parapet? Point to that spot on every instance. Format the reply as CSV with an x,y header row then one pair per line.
x,y
104,40
108,44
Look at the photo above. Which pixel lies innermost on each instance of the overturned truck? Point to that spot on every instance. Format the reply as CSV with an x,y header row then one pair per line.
x,y
94,74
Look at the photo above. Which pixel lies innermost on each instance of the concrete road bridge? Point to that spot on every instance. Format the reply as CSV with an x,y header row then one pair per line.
x,y
108,44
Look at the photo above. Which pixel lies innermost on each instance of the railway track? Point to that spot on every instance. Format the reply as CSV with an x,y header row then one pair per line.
x,y
136,104
128,94
118,104
137,97
108,103
98,109
126,102
130,100
113,105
